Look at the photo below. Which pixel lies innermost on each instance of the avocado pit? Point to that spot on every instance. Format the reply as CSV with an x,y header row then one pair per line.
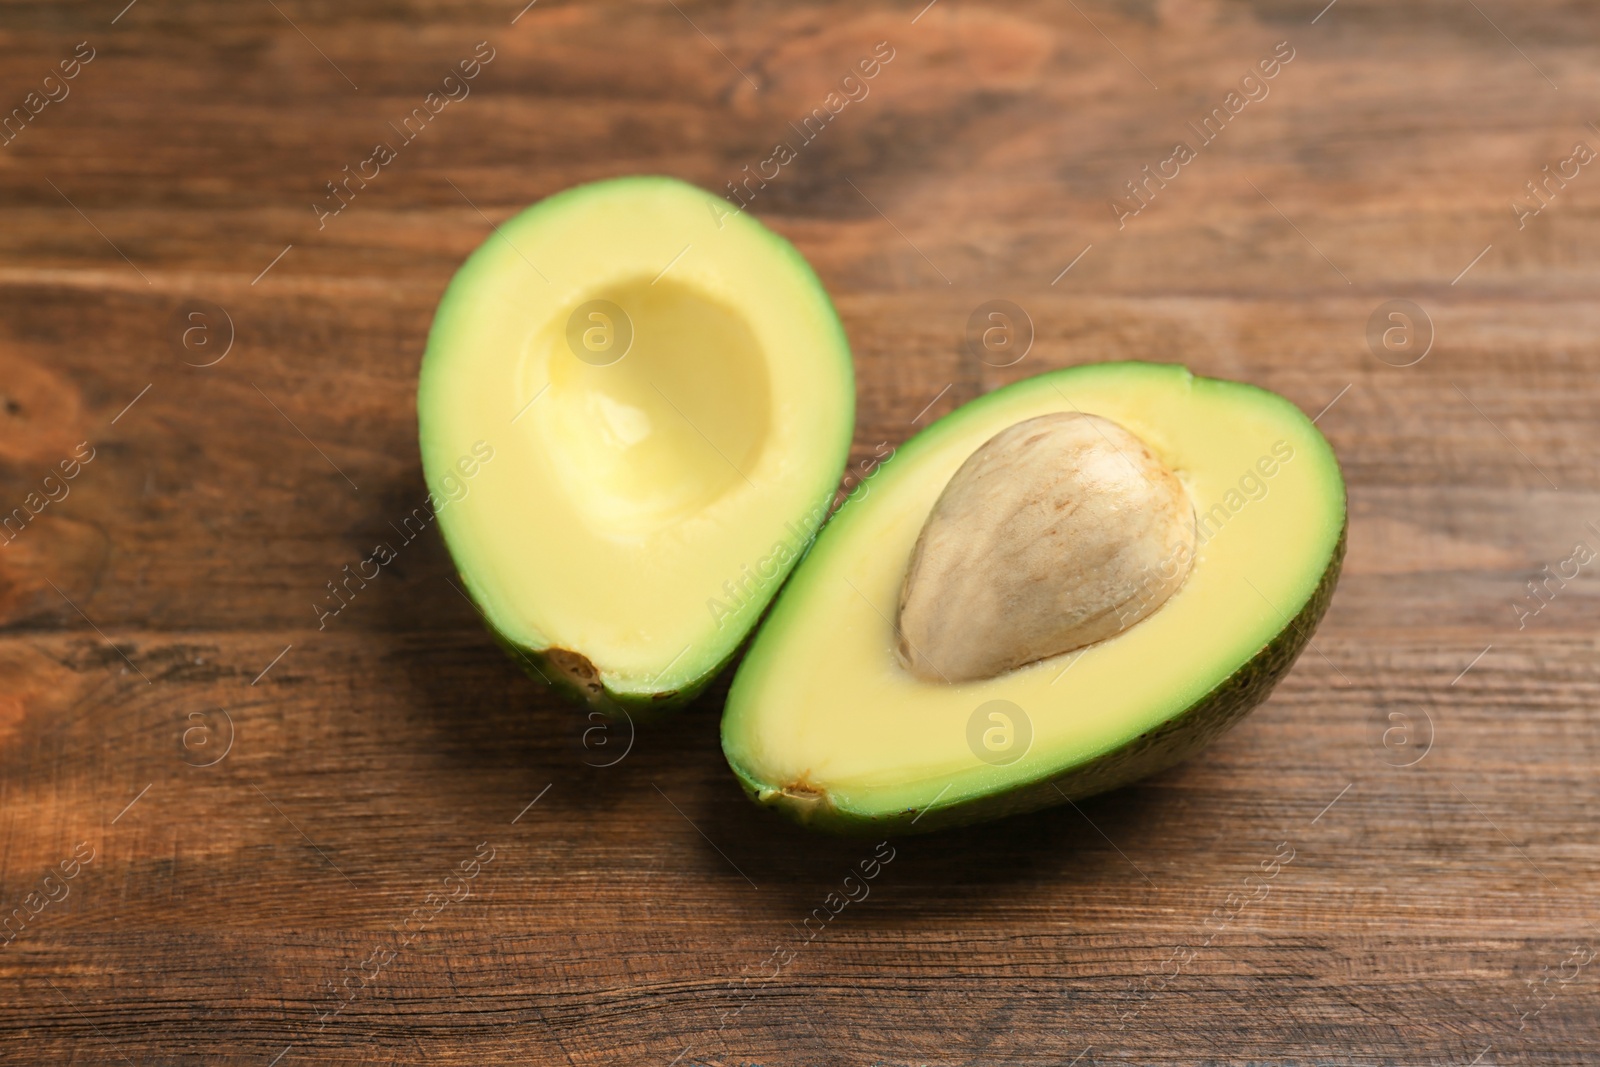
x,y
1060,531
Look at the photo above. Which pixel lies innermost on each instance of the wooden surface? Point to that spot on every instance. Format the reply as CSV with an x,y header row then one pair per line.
x,y
644,912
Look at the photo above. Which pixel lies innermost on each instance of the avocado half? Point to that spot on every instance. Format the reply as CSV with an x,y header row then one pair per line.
x,y
824,724
634,409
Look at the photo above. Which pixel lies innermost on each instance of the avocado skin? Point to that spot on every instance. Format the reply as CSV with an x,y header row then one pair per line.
x,y
1169,744
592,693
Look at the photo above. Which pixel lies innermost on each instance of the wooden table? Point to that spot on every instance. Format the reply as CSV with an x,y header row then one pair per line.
x,y
260,817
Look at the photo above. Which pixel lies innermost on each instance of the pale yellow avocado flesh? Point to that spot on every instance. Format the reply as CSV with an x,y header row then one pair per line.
x,y
824,722
637,513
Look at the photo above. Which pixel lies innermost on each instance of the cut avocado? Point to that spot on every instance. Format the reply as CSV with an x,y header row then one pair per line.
x,y
826,723
634,408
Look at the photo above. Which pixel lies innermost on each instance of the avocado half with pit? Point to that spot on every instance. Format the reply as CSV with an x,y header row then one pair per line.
x,y
634,410
1068,584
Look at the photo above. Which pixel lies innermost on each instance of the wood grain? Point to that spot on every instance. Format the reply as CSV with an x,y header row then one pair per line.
x,y
1435,913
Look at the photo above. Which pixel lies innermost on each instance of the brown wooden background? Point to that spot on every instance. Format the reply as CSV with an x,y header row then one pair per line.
x,y
1435,914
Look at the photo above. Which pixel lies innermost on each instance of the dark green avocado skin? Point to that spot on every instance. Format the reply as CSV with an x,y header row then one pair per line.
x,y
1168,745
570,678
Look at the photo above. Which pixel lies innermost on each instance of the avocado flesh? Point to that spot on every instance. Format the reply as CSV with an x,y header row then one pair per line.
x,y
865,746
637,512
